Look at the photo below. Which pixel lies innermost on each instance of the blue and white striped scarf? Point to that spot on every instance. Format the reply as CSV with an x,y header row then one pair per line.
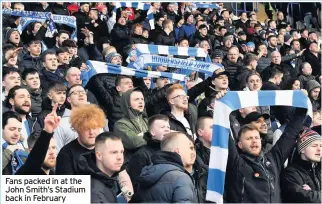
x,y
138,5
96,67
202,5
184,64
28,17
234,100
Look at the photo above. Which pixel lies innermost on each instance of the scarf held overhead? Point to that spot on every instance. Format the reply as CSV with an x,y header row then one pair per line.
x,y
137,5
96,67
28,17
234,100
187,64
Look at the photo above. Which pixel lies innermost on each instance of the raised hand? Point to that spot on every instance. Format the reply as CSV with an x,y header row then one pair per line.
x,y
52,120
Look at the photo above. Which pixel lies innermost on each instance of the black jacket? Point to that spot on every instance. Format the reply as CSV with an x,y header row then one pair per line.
x,y
251,178
142,158
102,186
232,68
241,76
315,62
30,62
190,115
156,32
46,77
166,181
164,39
200,176
58,9
120,37
108,98
202,151
196,38
34,162
297,174
138,39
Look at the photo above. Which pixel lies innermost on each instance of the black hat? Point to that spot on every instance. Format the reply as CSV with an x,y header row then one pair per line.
x,y
254,116
186,16
218,72
241,33
217,53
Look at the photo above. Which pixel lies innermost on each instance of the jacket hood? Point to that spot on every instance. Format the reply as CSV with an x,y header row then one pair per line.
x,y
151,142
29,57
87,166
129,112
163,162
312,84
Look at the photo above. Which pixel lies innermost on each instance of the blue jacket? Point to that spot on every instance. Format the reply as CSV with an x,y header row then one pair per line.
x,y
188,30
166,181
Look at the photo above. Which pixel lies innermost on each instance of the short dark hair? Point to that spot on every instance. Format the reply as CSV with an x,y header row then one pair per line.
x,y
222,27
275,70
251,74
28,71
62,50
200,123
202,26
70,88
153,118
69,43
241,13
12,94
244,129
101,138
34,42
62,32
271,36
47,52
295,41
7,115
56,86
249,58
8,70
119,78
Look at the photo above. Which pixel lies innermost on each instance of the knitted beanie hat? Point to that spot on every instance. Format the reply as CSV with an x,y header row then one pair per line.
x,y
110,56
306,139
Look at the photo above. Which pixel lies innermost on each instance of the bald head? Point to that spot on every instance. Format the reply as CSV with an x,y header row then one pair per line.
x,y
73,76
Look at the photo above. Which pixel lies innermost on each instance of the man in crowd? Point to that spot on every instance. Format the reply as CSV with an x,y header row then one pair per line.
x,y
168,179
31,81
204,127
261,170
32,58
158,126
42,158
300,182
108,162
10,78
19,101
134,124
11,131
313,89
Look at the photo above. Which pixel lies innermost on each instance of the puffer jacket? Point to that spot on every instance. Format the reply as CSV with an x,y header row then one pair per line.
x,y
166,181
251,178
102,186
200,176
30,62
232,68
297,174
132,126
120,37
166,39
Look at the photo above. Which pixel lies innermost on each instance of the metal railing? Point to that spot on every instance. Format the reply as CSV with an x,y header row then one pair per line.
x,y
236,10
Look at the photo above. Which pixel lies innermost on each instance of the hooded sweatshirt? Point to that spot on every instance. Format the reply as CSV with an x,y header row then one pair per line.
x,y
132,126
310,85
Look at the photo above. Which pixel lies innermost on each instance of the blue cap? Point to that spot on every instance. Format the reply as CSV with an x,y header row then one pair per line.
x,y
250,44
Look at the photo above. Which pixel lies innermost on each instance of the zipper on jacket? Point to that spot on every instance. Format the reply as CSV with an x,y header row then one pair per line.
x,y
243,190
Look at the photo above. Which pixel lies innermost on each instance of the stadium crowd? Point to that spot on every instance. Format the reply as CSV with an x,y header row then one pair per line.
x,y
149,139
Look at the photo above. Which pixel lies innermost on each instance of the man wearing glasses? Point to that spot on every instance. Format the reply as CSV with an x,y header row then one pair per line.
x,y
183,116
76,96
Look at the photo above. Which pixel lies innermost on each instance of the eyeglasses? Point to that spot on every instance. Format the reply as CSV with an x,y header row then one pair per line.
x,y
77,93
182,97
